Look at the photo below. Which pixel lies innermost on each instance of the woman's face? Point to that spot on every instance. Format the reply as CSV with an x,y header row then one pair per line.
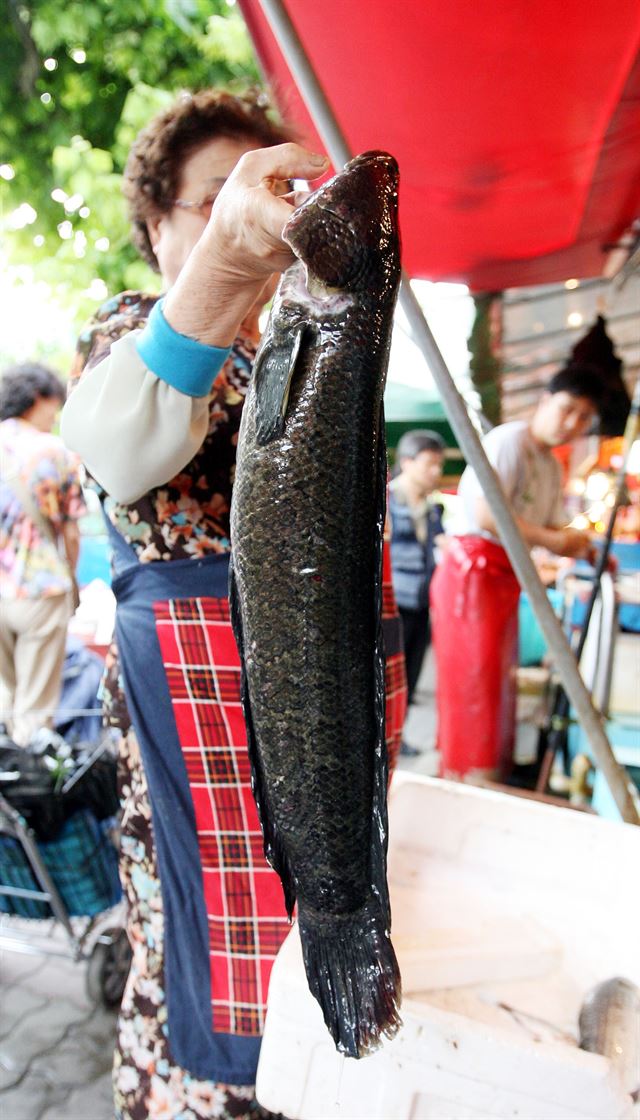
x,y
42,413
174,235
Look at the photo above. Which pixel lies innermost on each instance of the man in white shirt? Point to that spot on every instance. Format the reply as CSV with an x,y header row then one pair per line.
x,y
474,593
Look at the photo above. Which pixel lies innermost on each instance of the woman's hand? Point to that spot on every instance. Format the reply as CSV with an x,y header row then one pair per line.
x,y
241,245
244,236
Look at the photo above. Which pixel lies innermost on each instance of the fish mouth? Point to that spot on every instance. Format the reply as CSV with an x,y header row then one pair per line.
x,y
373,157
341,229
367,160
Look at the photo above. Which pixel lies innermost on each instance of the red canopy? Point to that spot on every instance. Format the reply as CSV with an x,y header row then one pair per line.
x,y
516,125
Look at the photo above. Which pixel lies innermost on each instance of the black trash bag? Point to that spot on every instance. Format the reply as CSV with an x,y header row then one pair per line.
x,y
596,351
27,784
94,784
49,780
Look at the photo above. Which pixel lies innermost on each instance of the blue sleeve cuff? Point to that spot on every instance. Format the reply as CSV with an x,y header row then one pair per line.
x,y
189,366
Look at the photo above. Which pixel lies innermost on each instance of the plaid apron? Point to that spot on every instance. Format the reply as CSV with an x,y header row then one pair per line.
x,y
395,674
223,905
223,908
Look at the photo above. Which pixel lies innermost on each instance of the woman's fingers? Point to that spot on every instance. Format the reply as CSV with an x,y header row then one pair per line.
x,y
245,229
241,245
283,161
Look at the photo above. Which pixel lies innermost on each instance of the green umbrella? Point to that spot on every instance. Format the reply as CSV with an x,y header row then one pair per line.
x,y
410,406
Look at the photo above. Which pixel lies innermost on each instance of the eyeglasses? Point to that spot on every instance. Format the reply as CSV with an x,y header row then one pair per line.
x,y
204,206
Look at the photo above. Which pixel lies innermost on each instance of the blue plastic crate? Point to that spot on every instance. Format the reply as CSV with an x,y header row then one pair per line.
x,y
82,861
531,641
624,739
94,561
625,744
627,553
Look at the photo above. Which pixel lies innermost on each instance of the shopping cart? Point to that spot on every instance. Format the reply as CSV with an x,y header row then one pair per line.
x,y
62,896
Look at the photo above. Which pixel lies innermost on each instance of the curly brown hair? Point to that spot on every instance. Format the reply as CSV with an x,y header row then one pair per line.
x,y
152,173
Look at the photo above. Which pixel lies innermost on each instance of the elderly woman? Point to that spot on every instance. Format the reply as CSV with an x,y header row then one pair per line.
x,y
155,415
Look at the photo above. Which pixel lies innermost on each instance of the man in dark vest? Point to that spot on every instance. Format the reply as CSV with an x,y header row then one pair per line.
x,y
416,523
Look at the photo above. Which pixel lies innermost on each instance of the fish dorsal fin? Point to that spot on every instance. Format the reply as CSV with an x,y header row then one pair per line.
x,y
273,374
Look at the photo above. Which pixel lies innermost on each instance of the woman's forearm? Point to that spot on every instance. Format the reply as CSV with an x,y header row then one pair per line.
x,y
133,430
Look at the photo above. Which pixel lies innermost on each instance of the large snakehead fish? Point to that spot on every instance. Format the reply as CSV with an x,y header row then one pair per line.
x,y
305,588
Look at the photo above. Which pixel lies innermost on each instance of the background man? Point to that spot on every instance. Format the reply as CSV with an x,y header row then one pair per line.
x,y
416,523
474,594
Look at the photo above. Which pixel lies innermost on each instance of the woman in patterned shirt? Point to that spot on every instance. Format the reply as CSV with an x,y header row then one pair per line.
x,y
155,414
40,505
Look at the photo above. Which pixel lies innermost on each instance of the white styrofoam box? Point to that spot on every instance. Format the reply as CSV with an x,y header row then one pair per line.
x,y
441,1064
505,912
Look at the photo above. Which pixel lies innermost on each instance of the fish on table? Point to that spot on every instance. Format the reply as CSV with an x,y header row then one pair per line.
x,y
307,521
609,1024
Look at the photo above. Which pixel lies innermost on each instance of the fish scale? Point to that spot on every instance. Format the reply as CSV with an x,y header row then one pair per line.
x,y
307,519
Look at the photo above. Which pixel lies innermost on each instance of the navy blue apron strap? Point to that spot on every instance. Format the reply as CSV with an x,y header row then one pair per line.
x,y
189,578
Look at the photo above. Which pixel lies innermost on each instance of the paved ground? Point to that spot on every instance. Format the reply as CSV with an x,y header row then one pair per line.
x,y
56,1045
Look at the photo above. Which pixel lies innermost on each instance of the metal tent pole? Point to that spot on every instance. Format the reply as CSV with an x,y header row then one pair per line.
x,y
324,118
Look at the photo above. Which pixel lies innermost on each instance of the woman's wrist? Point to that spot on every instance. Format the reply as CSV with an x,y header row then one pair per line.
x,y
183,361
208,302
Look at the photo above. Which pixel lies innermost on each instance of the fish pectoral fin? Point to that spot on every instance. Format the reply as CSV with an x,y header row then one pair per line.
x,y
273,373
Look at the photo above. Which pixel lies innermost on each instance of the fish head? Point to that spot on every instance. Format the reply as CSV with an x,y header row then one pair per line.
x,y
347,231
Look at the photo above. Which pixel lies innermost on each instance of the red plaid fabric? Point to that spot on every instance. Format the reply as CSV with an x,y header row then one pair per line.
x,y
395,683
395,675
389,605
243,895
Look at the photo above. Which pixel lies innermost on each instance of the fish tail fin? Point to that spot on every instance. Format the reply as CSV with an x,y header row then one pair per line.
x,y
353,973
273,848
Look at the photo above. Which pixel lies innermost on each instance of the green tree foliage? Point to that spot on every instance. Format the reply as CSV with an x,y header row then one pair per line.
x,y
77,81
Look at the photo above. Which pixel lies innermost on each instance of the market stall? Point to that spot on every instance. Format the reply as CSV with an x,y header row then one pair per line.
x,y
589,152
492,1028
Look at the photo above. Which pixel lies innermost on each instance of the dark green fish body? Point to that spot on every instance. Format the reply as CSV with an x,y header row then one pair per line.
x,y
307,520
